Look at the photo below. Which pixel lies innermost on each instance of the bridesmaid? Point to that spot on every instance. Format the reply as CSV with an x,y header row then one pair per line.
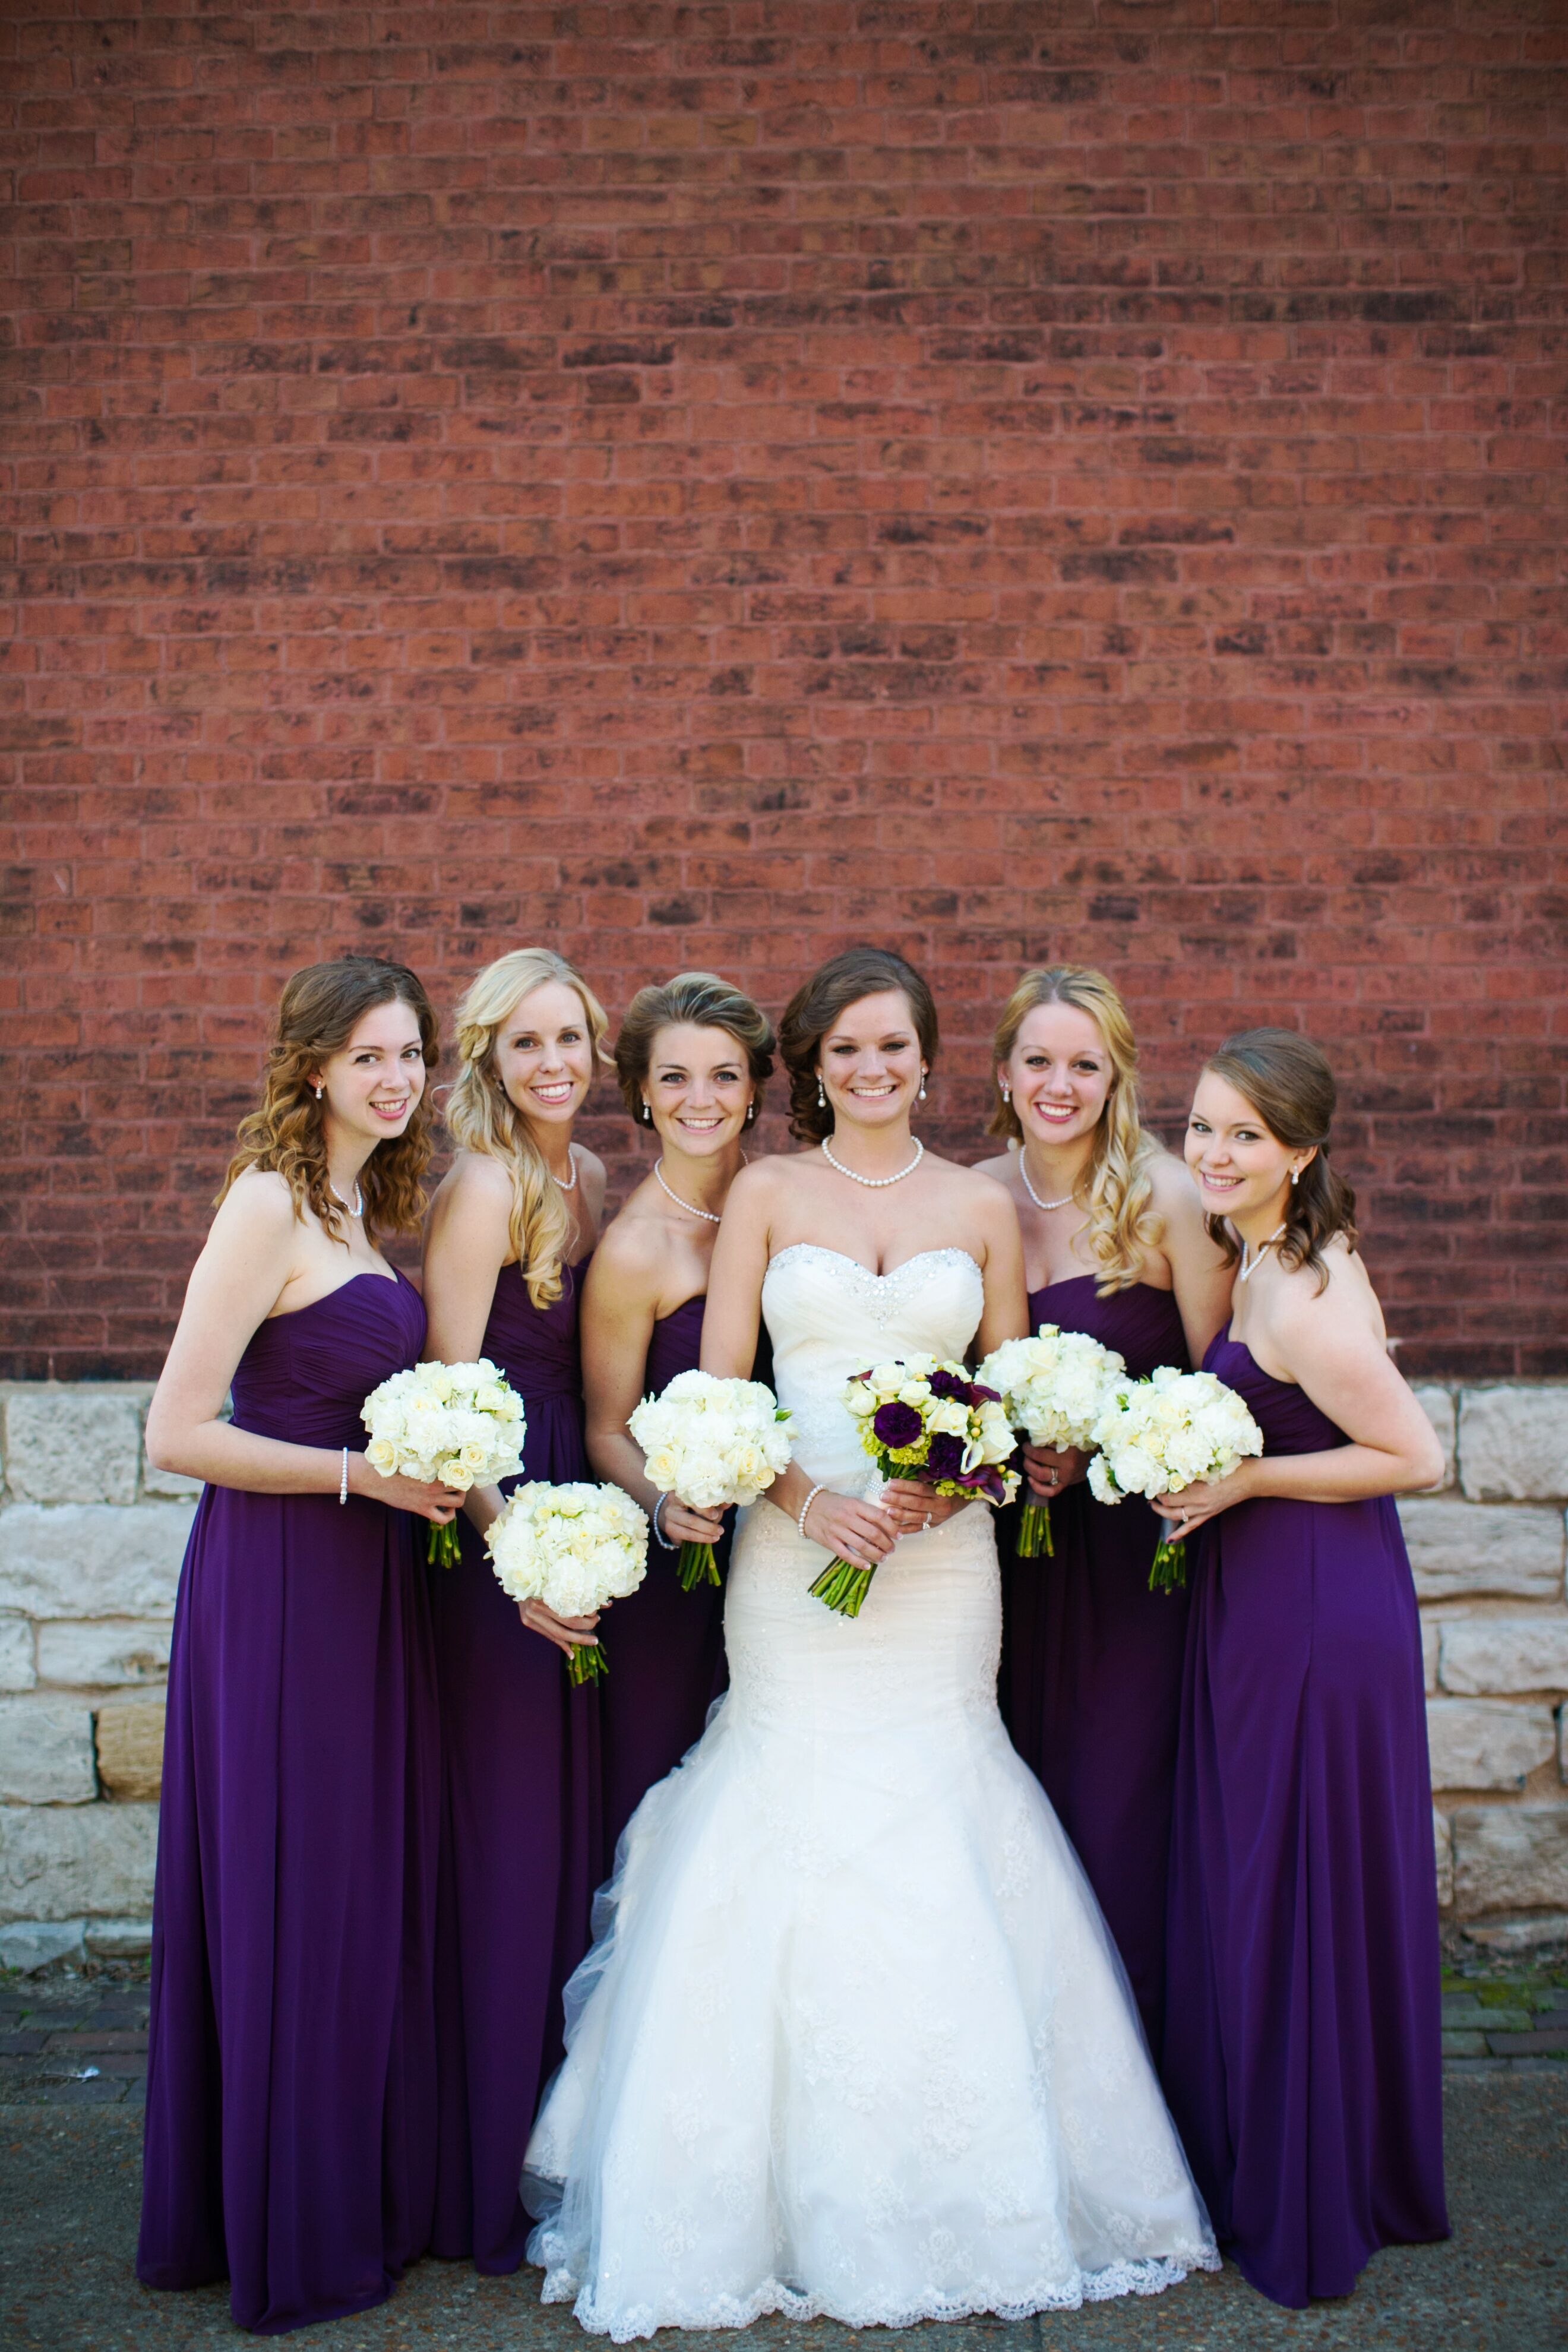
x,y
510,1230
290,2094
1114,1245
1302,2061
692,1058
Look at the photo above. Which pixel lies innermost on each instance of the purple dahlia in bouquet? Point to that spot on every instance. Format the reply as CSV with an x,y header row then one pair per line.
x,y
931,1421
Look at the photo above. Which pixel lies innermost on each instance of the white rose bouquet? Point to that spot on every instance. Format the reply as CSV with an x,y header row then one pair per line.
x,y
924,1419
461,1425
573,1546
711,1443
1053,1388
1158,1435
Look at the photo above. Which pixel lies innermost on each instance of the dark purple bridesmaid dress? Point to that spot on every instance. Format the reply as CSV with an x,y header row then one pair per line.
x,y
290,2094
522,1837
1302,2044
1092,1660
665,1647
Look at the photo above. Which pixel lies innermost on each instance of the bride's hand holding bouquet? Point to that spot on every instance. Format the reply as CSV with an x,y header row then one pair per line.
x,y
930,1425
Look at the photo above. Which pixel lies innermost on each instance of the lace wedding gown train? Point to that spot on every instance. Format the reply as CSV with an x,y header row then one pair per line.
x,y
852,2040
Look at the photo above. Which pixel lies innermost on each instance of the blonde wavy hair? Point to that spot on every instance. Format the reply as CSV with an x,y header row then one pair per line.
x,y
1117,1194
318,1013
481,1117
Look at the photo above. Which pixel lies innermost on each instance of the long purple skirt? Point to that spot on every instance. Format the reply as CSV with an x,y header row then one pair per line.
x,y
1302,2034
290,2097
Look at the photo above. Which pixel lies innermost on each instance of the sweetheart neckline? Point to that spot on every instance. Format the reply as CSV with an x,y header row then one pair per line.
x,y
398,1278
870,1272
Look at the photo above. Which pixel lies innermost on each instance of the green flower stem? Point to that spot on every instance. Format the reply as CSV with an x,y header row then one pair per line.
x,y
696,1566
843,1586
1035,1536
444,1549
1169,1573
586,1664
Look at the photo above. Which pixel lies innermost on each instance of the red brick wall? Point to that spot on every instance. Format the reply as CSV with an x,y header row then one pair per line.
x,y
701,484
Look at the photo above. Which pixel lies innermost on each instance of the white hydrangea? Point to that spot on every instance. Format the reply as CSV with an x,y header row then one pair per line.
x,y
713,1442
1157,1436
456,1425
1054,1386
573,1546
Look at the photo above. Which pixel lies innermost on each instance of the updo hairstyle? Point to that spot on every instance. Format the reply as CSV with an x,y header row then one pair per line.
x,y
1288,1081
481,1116
818,1002
1118,1192
318,1013
706,1002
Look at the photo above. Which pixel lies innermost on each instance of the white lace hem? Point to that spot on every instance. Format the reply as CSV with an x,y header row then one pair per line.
x,y
774,2297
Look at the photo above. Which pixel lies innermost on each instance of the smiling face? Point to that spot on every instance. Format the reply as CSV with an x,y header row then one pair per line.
x,y
1060,1074
869,1060
543,1055
1241,1168
699,1087
371,1085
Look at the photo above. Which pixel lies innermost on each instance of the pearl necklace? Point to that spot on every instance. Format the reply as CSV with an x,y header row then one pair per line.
x,y
1247,1271
567,1185
875,1183
1024,1172
358,1209
690,1210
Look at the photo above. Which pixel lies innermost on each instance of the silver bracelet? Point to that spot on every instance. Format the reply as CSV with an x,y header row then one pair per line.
x,y
343,1483
806,1506
658,1531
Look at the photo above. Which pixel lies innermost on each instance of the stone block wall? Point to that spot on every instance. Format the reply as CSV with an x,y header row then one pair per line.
x,y
91,1539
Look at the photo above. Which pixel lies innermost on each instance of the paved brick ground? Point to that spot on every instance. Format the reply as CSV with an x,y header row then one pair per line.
x,y
70,2182
72,2058
80,2040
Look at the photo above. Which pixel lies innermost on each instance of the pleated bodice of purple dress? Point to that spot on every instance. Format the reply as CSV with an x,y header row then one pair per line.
x,y
291,2095
523,1841
1092,1660
1303,2036
665,1647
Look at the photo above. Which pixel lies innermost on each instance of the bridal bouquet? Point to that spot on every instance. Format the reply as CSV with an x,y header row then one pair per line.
x,y
573,1546
932,1421
1053,1387
458,1425
1158,1435
711,1443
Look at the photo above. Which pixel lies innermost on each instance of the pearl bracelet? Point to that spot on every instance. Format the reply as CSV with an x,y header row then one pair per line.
x,y
806,1506
343,1483
658,1531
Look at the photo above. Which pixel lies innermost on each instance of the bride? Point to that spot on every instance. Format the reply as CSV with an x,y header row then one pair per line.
x,y
852,2041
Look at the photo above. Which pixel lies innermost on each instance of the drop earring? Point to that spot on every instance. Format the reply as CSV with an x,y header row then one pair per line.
x,y
751,1112
1295,1177
922,1092
1007,1092
647,1115
821,1097
317,1094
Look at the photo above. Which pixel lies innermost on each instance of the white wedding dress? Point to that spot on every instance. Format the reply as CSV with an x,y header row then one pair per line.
x,y
852,2040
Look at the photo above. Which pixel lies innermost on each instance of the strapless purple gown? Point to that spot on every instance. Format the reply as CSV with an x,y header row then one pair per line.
x,y
1302,2048
665,1647
523,1841
290,2092
1092,1660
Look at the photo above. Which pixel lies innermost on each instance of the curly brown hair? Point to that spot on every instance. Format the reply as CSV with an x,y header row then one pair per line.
x,y
1288,1081
817,1003
318,1013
